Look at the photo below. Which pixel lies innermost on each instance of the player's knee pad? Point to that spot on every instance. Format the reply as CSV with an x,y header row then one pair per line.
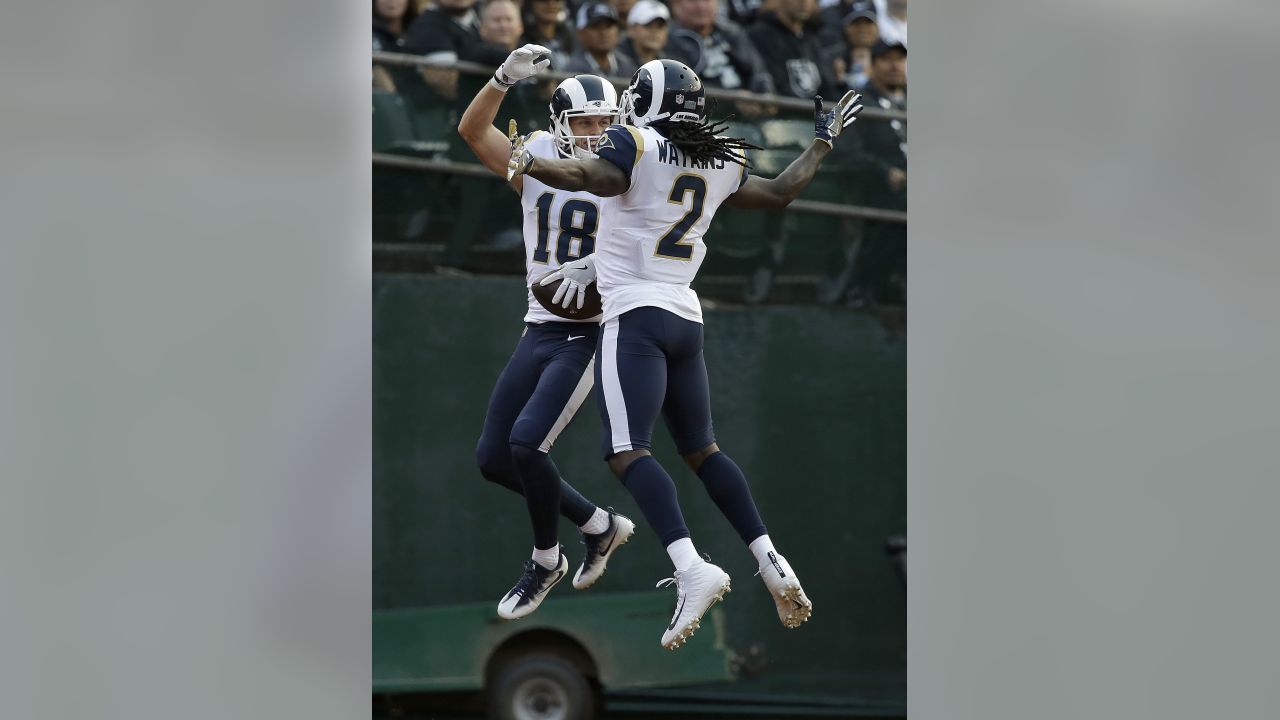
x,y
619,462
523,455
696,458
494,461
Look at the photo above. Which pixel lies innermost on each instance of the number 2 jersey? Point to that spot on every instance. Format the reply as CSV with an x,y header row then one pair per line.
x,y
654,243
559,226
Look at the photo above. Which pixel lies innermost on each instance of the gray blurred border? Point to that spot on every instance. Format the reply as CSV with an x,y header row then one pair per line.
x,y
1093,396
184,420
184,425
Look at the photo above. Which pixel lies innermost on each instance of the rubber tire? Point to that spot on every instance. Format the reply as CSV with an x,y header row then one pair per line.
x,y
548,666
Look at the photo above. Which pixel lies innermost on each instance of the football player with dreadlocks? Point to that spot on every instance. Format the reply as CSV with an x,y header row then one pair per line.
x,y
550,373
666,174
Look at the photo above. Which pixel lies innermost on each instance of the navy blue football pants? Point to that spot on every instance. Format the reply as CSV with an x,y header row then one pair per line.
x,y
650,362
544,383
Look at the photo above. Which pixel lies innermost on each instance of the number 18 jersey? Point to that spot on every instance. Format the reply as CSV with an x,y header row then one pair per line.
x,y
559,226
654,245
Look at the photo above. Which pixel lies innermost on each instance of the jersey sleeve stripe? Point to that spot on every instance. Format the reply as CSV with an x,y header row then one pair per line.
x,y
622,149
639,140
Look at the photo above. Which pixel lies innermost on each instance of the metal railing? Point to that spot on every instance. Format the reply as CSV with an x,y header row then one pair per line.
x,y
782,101
401,162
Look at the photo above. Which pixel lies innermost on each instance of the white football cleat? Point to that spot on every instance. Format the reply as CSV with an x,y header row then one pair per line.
x,y
533,586
600,547
794,606
697,589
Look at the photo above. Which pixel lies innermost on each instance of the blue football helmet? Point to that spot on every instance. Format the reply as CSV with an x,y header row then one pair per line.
x,y
663,91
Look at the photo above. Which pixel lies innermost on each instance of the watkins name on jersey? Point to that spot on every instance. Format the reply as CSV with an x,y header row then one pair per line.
x,y
670,154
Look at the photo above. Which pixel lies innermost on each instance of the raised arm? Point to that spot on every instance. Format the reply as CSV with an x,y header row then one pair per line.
x,y
476,127
758,192
606,175
596,176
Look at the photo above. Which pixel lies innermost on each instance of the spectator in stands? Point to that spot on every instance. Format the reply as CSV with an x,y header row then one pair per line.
x,y
598,33
879,166
888,79
832,13
441,34
390,19
788,43
860,35
891,18
745,12
488,213
646,32
623,7
500,29
545,24
718,50
893,21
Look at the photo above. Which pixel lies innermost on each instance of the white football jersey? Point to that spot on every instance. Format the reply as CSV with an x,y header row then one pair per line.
x,y
654,245
559,226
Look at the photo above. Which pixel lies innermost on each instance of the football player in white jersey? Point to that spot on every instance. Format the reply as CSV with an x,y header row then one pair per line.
x,y
550,373
666,175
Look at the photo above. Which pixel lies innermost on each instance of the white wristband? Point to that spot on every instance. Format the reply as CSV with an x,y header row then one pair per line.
x,y
501,87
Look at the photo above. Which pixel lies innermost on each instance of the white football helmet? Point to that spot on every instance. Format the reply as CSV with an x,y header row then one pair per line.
x,y
577,96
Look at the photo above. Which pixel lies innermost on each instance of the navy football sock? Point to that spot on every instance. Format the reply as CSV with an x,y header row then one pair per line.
x,y
655,493
542,493
573,505
728,488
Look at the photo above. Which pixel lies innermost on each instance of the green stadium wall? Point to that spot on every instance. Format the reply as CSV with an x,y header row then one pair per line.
x,y
810,401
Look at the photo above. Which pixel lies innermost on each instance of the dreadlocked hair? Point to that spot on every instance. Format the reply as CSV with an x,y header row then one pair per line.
x,y
700,142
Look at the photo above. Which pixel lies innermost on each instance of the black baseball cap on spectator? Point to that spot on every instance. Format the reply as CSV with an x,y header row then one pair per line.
x,y
881,47
594,12
861,9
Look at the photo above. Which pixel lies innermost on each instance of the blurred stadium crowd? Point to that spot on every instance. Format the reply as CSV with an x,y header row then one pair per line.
x,y
787,48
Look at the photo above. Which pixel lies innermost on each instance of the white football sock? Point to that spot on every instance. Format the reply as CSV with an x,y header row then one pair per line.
x,y
683,555
548,558
596,524
761,547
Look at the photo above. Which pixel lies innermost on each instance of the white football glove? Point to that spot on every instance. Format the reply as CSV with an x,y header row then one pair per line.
x,y
523,62
577,275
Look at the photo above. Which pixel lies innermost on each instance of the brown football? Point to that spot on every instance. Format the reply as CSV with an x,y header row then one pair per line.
x,y
591,303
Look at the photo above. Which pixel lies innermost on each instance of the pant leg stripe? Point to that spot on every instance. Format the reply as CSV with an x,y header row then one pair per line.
x,y
614,403
579,395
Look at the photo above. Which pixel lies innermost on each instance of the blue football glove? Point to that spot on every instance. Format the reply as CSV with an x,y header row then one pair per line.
x,y
827,125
